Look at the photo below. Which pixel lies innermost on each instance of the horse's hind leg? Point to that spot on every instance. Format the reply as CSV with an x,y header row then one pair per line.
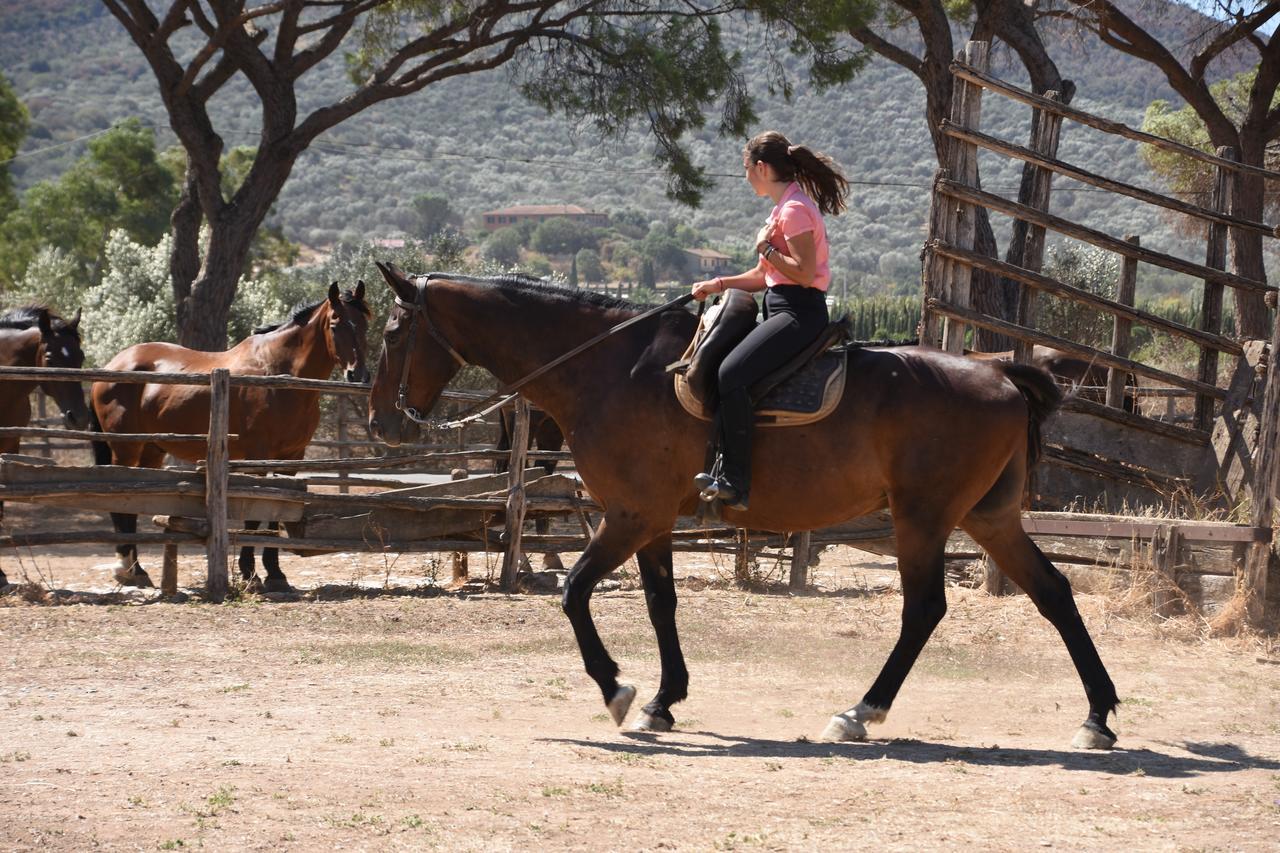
x,y
921,548
660,595
612,543
1018,557
245,560
276,581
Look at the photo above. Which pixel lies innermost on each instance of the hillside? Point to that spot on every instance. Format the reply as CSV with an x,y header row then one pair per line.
x,y
475,140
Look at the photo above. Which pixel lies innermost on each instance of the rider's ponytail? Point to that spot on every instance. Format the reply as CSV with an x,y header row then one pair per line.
x,y
816,173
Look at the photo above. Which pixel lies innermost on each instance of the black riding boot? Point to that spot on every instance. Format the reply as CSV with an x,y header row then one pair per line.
x,y
732,482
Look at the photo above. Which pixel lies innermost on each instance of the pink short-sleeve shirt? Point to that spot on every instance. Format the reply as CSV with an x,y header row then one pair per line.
x,y
797,213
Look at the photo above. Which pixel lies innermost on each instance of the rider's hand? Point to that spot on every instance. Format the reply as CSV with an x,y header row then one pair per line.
x,y
703,289
765,236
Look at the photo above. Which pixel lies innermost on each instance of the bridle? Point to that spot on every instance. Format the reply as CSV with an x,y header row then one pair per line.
x,y
506,393
419,308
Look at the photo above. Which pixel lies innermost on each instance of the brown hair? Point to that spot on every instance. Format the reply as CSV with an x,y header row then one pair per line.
x,y
816,173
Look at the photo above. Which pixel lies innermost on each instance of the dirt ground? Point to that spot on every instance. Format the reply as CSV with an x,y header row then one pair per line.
x,y
378,711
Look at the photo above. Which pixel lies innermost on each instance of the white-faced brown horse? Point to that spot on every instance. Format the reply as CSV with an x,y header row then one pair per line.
x,y
34,336
269,423
942,441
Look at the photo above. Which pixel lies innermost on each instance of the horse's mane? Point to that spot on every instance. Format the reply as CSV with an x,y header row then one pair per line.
x,y
519,282
28,317
300,314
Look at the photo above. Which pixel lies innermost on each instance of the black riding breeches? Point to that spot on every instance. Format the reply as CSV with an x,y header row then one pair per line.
x,y
794,317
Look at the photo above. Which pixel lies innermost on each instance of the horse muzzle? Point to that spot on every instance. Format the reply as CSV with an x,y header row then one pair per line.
x,y
387,433
360,375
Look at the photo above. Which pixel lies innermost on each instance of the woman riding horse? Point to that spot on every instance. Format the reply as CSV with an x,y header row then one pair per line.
x,y
941,440
268,423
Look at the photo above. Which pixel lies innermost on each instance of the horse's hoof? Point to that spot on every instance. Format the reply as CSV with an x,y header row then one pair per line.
x,y
621,703
252,584
1092,737
647,722
843,728
134,577
277,583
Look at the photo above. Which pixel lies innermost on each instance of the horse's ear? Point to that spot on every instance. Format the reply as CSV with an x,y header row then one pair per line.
x,y
405,289
74,323
44,323
335,295
359,294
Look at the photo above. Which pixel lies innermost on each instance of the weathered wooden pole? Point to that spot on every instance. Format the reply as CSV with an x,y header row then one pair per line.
x,y
1046,127
215,489
515,494
169,572
1211,307
42,412
1253,583
966,111
1122,327
343,451
800,560
742,558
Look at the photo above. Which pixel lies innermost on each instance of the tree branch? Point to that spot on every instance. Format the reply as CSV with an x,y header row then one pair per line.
x,y
1243,28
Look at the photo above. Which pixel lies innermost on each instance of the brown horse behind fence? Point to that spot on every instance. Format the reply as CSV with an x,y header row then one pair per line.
x,y
942,441
34,336
269,423
1086,378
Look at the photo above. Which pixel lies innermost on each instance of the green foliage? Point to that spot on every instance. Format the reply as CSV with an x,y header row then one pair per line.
x,y
119,184
434,213
881,318
132,303
560,235
588,265
1183,174
1092,270
14,123
503,246
573,272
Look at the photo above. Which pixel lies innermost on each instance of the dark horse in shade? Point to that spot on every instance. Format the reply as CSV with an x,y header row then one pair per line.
x,y
940,440
269,423
34,336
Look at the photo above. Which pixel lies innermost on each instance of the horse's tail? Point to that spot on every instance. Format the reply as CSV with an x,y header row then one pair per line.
x,y
101,450
1043,398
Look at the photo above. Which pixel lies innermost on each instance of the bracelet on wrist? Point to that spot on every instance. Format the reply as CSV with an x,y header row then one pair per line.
x,y
768,251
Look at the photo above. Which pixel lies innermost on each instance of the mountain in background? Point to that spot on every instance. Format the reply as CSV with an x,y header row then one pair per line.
x,y
476,141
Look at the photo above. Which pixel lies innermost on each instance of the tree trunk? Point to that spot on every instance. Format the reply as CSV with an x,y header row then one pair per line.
x,y
1253,320
203,316
184,252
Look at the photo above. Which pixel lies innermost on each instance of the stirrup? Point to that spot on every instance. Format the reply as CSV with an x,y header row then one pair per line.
x,y
719,489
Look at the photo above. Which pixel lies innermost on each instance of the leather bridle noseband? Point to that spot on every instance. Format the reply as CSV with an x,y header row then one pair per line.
x,y
419,308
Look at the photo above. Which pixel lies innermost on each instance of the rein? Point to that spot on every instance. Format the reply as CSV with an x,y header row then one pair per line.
x,y
507,393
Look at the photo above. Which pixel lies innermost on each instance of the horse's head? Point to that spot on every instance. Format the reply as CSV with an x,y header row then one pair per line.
x,y
415,366
60,345
348,334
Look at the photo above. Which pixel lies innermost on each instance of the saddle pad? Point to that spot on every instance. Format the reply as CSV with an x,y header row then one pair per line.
x,y
803,398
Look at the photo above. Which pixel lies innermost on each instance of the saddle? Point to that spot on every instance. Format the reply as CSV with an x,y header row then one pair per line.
x,y
804,390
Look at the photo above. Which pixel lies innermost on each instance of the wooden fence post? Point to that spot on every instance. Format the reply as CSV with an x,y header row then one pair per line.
x,y
1211,307
42,412
966,112
1046,127
800,560
742,558
343,451
215,487
1121,328
1253,583
1165,547
169,571
515,494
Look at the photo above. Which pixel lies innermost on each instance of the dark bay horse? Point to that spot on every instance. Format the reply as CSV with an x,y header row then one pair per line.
x,y
271,424
1071,370
34,336
942,441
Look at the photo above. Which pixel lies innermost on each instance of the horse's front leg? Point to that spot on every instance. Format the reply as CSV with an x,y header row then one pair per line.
x,y
660,595
245,561
276,581
615,540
